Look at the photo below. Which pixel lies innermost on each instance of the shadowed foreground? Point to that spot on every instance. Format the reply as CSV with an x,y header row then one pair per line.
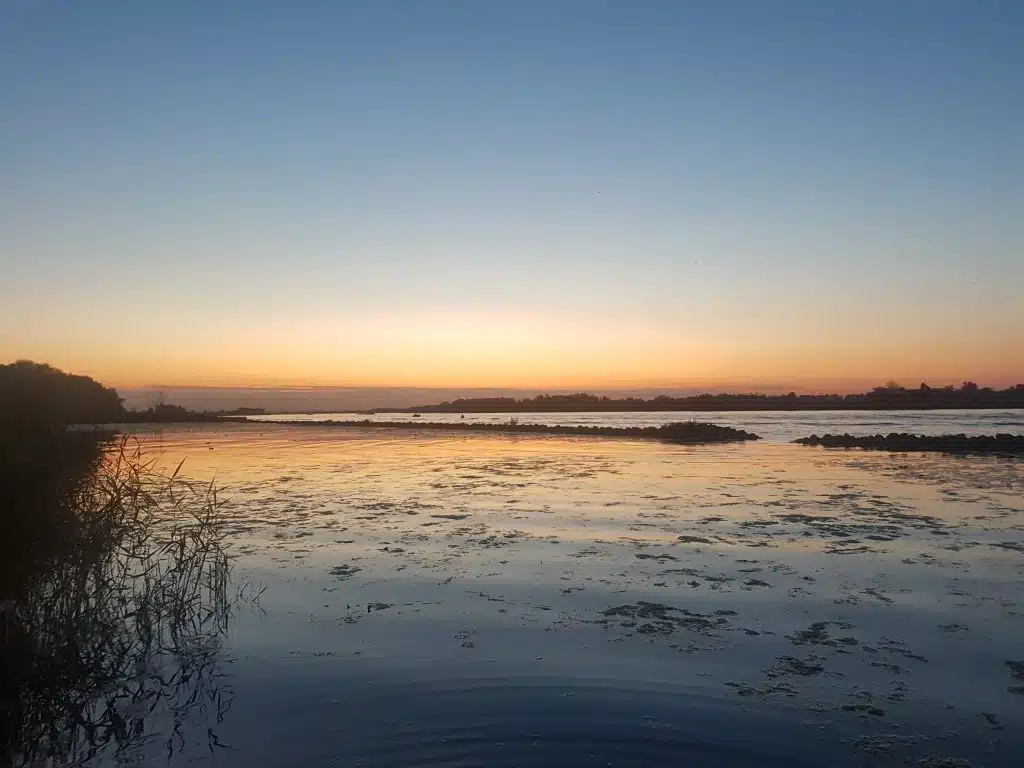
x,y
115,599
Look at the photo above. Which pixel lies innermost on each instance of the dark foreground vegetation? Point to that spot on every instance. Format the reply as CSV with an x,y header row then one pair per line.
x,y
36,395
904,441
890,397
678,432
114,592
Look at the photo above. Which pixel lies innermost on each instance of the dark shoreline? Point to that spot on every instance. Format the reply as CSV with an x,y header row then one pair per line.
x,y
891,397
683,433
905,441
690,408
690,432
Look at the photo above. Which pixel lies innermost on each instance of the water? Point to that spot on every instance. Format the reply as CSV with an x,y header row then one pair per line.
x,y
472,599
780,426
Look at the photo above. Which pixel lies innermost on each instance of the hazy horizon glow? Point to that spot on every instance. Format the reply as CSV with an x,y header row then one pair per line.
x,y
563,195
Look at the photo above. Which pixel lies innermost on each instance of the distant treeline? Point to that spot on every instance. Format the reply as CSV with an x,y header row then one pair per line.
x,y
35,396
888,397
163,413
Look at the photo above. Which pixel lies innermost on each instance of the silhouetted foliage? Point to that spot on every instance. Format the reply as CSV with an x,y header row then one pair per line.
x,y
889,397
35,395
163,413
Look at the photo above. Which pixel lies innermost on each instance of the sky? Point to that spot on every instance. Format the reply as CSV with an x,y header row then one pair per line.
x,y
568,193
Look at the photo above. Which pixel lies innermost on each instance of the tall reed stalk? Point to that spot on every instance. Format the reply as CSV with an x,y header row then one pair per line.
x,y
115,638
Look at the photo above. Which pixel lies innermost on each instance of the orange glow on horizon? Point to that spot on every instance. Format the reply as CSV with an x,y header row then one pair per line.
x,y
528,352
710,372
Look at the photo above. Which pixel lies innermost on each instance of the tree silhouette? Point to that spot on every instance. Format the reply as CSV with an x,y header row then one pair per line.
x,y
36,395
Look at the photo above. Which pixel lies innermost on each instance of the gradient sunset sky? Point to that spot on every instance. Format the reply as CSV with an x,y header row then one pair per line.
x,y
562,193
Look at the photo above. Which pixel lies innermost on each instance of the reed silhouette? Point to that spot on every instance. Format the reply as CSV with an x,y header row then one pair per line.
x,y
115,587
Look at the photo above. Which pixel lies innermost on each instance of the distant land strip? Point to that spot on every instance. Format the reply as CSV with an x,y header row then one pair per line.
x,y
889,397
904,441
678,432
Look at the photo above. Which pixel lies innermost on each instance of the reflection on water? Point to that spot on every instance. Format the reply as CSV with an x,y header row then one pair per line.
x,y
509,600
382,718
116,613
483,599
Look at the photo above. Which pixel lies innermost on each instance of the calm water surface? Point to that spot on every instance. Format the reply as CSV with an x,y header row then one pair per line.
x,y
780,426
457,600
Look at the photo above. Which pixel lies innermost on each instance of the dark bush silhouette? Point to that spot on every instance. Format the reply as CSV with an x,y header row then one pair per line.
x,y
38,396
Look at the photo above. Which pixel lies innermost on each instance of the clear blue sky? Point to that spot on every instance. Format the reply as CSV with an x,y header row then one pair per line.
x,y
521,193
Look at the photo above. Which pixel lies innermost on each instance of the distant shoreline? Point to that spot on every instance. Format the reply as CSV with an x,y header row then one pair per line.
x,y
263,417
969,396
904,441
679,432
737,409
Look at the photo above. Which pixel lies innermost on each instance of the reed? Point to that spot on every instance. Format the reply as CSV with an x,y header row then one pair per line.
x,y
115,636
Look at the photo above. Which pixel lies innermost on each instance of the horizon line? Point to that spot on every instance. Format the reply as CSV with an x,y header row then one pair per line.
x,y
570,389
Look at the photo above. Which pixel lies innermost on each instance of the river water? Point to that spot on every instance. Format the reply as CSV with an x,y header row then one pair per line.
x,y
779,426
452,599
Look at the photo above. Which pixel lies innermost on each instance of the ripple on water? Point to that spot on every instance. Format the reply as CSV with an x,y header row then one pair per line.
x,y
536,721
